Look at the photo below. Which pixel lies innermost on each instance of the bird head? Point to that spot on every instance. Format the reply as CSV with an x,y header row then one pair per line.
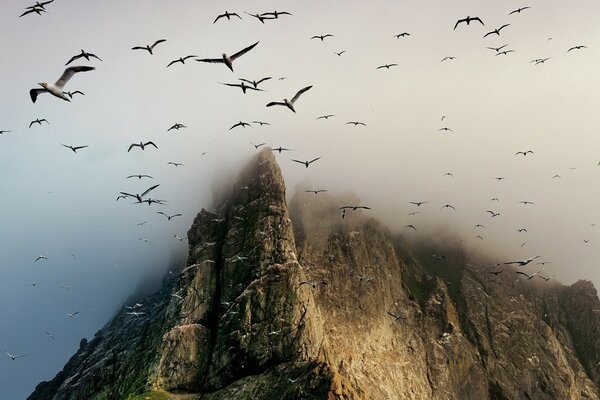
x,y
44,85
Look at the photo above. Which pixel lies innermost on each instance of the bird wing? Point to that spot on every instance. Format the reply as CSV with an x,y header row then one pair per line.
x,y
139,48
301,162
218,17
210,60
79,147
477,19
263,79
149,190
176,215
523,273
458,22
157,42
244,80
311,161
74,58
276,103
151,143
489,33
503,26
243,51
33,93
69,72
160,212
297,95
172,62
132,146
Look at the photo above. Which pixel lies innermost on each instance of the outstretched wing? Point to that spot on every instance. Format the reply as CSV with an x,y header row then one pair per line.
x,y
311,161
149,190
210,60
69,72
275,103
157,42
74,58
151,143
33,93
243,51
301,162
263,79
297,95
458,22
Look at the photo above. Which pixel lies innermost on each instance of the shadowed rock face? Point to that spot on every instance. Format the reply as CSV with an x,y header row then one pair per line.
x,y
270,309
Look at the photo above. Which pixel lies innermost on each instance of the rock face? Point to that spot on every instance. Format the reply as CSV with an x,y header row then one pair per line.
x,y
270,309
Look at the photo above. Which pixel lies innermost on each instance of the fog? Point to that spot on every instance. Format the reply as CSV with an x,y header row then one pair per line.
x,y
57,203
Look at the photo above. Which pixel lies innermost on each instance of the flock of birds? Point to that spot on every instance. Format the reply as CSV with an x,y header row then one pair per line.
x,y
57,90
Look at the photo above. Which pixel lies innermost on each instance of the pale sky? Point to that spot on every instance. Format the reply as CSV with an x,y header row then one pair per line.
x,y
57,203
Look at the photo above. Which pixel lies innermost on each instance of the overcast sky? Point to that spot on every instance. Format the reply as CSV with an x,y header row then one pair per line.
x,y
57,203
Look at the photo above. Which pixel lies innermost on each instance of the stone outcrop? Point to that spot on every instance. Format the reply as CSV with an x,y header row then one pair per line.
x,y
296,303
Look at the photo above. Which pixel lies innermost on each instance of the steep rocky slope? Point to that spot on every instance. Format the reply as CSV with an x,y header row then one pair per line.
x,y
270,309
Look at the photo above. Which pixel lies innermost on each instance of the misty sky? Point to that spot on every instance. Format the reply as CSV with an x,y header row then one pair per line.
x,y
58,204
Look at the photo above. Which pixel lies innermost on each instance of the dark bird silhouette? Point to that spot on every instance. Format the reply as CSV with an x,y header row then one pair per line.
x,y
139,176
141,145
3,132
280,149
497,49
261,18
326,116
448,58
449,174
74,148
396,317
496,31
468,21
445,129
499,178
177,126
479,226
227,15
356,123
403,34
339,53
38,121
527,275
41,5
354,208
518,10
411,226
148,47
522,263
36,10
83,54
228,60
577,48
289,103
275,14
256,146
504,53
169,217
242,86
418,203
261,123
307,163
71,94
175,164
255,83
14,357
181,60
322,37
448,206
387,66
315,191
493,214
41,258
526,202
314,283
521,230
524,152
140,197
538,61
241,123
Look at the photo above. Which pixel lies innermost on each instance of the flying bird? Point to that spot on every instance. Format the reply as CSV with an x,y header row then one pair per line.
x,y
276,14
36,10
139,197
313,283
83,54
71,315
241,123
50,335
3,132
403,34
139,176
577,48
289,103
242,86
493,214
497,49
181,60
468,21
280,149
449,174
524,152
14,357
448,58
255,83
56,89
169,217
411,226
518,10
175,164
256,146
527,275
307,163
479,226
418,203
40,258
148,47
261,18
354,208
322,37
396,317
538,61
496,31
526,202
315,191
339,53
522,263
228,60
141,145
504,53
177,126
356,123
448,206
227,15
39,122
326,116
74,148
445,129
71,94
387,66
261,123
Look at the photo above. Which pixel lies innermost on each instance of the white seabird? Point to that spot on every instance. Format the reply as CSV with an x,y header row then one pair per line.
x,y
56,89
228,60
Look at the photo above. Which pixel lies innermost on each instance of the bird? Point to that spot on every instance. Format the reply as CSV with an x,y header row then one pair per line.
x,y
577,48
242,86
290,380
527,275
327,116
468,21
2,132
276,13
538,61
518,10
499,178
526,202
522,263
449,174
241,123
139,197
354,208
34,284
169,217
387,66
556,176
397,317
521,230
71,315
36,10
418,203
135,313
322,37
280,149
289,103
261,18
524,152
414,213
256,146
339,53
141,223
141,145
41,5
261,123
445,129
493,214
356,123
139,176
546,278
177,126
479,226
479,237
148,47
14,357
145,240
448,58
38,121
228,60
497,49
307,163
504,53
50,335
83,54
227,15
494,199
496,31
56,89
448,206
74,148
175,163
71,94
317,191
41,258
411,226
403,34
181,60
255,83
313,283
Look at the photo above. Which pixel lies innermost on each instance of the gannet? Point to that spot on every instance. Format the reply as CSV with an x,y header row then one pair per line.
x,y
83,54
74,148
289,103
56,89
228,60
148,47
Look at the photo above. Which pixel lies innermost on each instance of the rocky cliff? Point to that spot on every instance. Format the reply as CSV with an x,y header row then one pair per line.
x,y
296,303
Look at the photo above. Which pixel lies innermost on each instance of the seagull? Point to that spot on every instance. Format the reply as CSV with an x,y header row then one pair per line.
x,y
181,60
255,83
522,263
354,208
289,103
387,66
241,123
499,178
71,94
242,86
71,315
546,278
497,49
41,258
524,152
40,5
275,14
139,176
83,54
149,47
518,10
556,176
33,9
494,199
141,145
56,89
577,48
327,116
493,214
228,60
227,15
479,237
145,240
414,213
74,148
261,123
141,223
280,149
177,126
14,357
175,164
315,191
356,123
418,203
307,163
527,275
322,37
468,21
34,284
259,17
396,317
139,197
496,31
169,217
403,34
340,53
448,58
